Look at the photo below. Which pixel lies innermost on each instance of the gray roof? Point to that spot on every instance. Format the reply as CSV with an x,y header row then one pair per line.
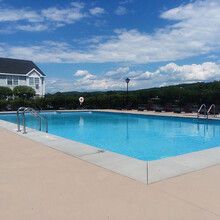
x,y
15,66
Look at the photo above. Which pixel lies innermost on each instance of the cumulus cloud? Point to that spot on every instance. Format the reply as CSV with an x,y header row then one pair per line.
x,y
195,72
195,32
170,74
118,73
50,17
8,15
58,85
66,15
35,28
81,73
97,11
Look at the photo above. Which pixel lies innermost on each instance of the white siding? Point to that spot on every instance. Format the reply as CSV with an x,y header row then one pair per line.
x,y
22,81
38,85
2,80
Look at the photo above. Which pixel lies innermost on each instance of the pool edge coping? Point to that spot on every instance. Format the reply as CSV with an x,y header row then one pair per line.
x,y
143,171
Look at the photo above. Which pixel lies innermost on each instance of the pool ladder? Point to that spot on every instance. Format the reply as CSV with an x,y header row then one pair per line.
x,y
23,110
206,113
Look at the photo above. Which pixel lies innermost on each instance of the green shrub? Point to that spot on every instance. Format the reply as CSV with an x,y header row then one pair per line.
x,y
24,92
3,105
16,103
4,92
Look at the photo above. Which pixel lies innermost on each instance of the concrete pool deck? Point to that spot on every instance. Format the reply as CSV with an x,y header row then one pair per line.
x,y
38,182
144,171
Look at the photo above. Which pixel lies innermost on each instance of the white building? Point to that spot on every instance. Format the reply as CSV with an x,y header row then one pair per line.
x,y
15,72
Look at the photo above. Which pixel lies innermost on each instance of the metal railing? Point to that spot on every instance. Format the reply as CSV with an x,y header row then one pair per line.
x,y
210,108
201,107
23,110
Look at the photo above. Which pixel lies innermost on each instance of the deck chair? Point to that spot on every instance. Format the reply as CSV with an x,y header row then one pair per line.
x,y
142,108
148,107
158,109
188,108
168,107
127,107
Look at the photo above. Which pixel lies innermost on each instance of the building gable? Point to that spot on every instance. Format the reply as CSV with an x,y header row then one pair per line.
x,y
34,73
15,66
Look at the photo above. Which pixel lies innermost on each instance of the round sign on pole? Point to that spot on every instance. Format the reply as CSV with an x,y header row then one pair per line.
x,y
81,100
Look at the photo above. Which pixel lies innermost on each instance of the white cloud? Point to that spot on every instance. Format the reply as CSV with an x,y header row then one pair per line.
x,y
67,15
19,14
212,57
33,28
146,76
169,74
121,10
195,32
58,85
195,72
51,17
97,11
120,72
81,73
92,40
79,5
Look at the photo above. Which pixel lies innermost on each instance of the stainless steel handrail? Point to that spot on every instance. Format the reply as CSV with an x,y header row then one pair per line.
x,y
210,108
45,121
35,114
32,111
18,121
203,105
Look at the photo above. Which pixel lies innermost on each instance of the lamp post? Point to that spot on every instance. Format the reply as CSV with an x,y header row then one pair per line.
x,y
127,81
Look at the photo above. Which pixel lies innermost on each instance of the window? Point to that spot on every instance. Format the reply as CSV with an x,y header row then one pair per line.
x,y
15,80
34,81
31,81
9,80
12,80
37,80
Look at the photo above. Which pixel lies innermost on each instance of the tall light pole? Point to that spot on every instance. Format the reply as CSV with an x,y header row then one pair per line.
x,y
127,81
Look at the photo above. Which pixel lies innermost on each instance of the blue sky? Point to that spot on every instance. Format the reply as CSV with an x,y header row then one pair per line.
x,y
94,45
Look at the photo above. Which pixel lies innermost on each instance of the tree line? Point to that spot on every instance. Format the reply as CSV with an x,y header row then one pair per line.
x,y
195,93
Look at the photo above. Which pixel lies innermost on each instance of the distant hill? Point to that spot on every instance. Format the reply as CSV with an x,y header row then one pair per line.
x,y
182,86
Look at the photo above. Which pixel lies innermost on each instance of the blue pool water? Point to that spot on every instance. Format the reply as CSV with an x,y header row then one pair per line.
x,y
139,136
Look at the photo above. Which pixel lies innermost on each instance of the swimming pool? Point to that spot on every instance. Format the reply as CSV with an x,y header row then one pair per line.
x,y
142,137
